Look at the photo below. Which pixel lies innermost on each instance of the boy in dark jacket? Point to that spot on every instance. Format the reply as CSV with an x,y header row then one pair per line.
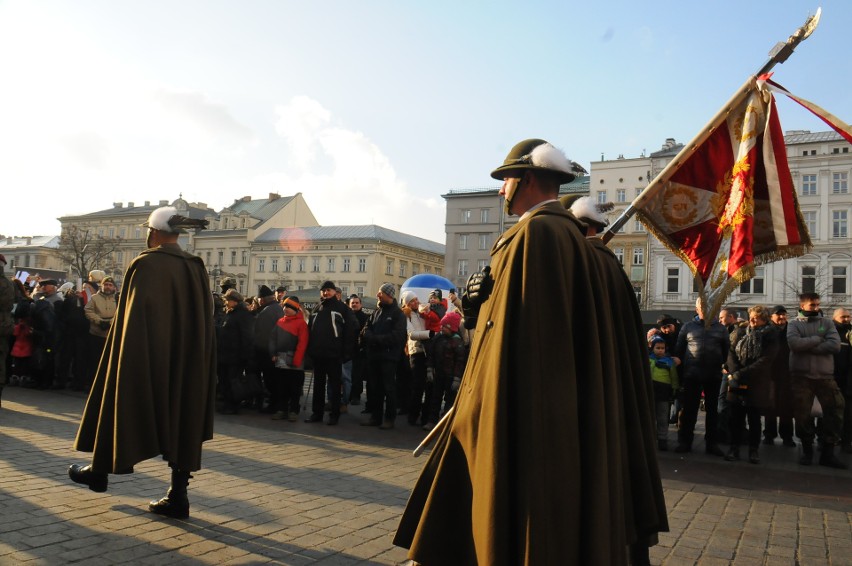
x,y
450,357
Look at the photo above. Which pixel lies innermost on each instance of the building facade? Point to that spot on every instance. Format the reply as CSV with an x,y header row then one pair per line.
x,y
35,255
820,164
474,220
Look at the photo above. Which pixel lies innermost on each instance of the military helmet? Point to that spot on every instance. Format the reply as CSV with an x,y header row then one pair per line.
x,y
537,155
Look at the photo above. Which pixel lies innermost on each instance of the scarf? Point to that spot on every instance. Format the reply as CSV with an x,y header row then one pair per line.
x,y
750,347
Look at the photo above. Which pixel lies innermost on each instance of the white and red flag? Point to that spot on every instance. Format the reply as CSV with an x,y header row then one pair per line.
x,y
731,204
836,123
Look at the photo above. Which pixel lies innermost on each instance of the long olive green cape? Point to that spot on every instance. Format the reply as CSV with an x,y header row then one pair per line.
x,y
533,466
154,390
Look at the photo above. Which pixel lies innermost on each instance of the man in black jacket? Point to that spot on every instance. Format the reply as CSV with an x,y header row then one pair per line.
x,y
384,337
334,330
703,348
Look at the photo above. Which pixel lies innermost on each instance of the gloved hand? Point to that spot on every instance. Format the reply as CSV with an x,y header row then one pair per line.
x,y
456,384
477,290
104,324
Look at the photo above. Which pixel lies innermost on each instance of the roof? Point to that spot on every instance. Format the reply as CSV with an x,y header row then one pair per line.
x,y
578,185
144,210
33,242
669,151
805,136
336,233
262,209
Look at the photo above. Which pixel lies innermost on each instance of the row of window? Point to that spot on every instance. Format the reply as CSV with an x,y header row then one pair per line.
x,y
839,223
467,216
839,184
838,281
464,266
484,241
835,150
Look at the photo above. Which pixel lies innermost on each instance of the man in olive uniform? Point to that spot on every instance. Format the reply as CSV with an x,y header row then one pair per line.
x,y
529,467
155,387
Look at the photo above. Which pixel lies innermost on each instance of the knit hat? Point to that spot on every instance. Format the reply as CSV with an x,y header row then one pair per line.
x,y
655,340
265,292
651,334
451,319
327,285
96,275
388,289
293,302
437,294
407,296
233,295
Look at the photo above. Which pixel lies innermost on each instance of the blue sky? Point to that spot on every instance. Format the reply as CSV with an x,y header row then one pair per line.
x,y
371,109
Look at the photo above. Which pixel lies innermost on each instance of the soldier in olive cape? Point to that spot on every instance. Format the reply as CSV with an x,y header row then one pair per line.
x,y
154,390
530,466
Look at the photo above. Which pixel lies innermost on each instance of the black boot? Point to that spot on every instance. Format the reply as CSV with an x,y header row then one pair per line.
x,y
97,481
807,454
827,458
176,503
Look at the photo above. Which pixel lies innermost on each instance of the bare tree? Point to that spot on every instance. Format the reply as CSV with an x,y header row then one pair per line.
x,y
83,250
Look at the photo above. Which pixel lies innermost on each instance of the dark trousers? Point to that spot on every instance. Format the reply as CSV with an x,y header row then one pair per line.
x,y
227,373
332,370
442,397
96,348
846,431
382,389
403,384
774,426
359,363
287,385
416,406
736,424
73,359
833,405
692,389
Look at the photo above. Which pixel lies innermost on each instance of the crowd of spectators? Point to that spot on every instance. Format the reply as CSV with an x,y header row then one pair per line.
x,y
756,377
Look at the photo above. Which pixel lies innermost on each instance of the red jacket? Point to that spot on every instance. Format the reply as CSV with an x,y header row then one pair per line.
x,y
23,347
290,335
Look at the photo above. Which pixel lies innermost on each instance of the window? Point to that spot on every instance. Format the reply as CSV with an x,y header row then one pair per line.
x,y
112,229
838,279
621,195
233,257
207,261
483,241
330,265
838,224
465,216
462,241
427,269
809,185
619,255
137,233
638,226
346,264
302,264
315,264
462,268
274,266
261,265
840,183
672,280
481,264
122,232
601,197
808,279
389,267
638,256
810,218
288,265
362,264
754,286
244,260
415,268
119,258
360,290
221,257
637,290
402,268
483,216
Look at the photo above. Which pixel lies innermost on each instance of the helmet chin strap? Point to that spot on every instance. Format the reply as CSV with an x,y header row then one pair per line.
x,y
512,186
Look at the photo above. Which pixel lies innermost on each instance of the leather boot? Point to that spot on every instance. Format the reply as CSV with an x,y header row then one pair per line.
x,y
733,453
176,503
97,481
807,454
827,458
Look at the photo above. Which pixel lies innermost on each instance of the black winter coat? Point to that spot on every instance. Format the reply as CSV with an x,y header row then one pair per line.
x,y
236,345
385,333
702,350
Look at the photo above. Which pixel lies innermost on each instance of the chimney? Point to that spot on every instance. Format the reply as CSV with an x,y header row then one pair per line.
x,y
116,205
164,203
130,204
147,203
246,199
29,241
274,196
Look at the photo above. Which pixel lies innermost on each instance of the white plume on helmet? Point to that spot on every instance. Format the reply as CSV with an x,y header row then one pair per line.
x,y
159,218
549,156
585,208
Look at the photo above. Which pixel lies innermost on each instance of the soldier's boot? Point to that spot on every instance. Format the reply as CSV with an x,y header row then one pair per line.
x,y
176,503
827,458
807,457
97,481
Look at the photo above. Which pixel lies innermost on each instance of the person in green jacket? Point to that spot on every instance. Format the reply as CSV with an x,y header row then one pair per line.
x,y
664,376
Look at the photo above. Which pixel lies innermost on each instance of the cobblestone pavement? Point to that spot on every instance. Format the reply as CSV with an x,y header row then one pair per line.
x,y
275,492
